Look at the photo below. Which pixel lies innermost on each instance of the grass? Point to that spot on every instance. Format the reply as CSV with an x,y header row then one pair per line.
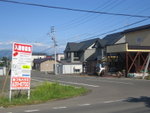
x,y
42,93
147,77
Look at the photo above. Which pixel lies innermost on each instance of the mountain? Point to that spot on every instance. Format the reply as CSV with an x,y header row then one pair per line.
x,y
5,53
8,53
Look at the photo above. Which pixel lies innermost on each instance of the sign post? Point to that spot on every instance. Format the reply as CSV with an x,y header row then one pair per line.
x,y
21,68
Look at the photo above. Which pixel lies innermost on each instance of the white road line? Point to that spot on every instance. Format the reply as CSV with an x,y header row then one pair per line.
x,y
83,84
63,107
30,111
110,81
106,102
37,80
112,101
127,83
84,104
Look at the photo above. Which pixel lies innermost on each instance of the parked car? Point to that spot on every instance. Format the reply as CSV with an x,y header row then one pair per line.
x,y
100,69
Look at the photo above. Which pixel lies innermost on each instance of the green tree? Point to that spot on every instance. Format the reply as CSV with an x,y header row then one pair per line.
x,y
4,61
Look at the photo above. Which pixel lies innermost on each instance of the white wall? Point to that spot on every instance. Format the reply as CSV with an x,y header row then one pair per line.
x,y
70,69
2,70
122,40
60,56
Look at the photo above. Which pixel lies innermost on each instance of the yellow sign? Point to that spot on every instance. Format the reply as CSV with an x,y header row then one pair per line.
x,y
26,67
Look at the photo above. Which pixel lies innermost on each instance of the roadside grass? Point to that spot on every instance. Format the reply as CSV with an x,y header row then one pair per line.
x,y
42,93
147,77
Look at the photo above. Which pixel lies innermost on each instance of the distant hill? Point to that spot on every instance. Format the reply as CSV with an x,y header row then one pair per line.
x,y
8,53
5,53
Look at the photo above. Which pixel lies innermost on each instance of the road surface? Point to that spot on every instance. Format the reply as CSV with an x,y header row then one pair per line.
x,y
108,95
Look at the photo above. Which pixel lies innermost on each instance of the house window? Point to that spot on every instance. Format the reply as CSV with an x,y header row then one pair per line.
x,y
76,54
76,70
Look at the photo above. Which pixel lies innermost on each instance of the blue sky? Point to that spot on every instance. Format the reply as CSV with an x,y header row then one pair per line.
x,y
30,24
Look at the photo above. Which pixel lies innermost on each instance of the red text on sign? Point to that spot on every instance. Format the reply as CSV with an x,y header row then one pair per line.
x,y
22,48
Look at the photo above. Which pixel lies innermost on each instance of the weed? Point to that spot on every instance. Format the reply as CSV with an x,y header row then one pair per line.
x,y
44,92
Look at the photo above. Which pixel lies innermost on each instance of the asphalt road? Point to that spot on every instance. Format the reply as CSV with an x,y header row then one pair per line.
x,y
108,95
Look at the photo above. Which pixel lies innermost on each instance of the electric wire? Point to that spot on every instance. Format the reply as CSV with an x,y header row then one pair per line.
x,y
119,28
72,9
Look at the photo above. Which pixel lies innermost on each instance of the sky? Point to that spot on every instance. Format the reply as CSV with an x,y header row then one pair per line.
x,y
31,24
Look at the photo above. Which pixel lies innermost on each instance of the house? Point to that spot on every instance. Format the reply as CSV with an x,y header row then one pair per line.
x,y
59,56
129,50
84,53
38,56
44,64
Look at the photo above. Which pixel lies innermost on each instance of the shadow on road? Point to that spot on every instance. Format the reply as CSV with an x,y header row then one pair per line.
x,y
144,99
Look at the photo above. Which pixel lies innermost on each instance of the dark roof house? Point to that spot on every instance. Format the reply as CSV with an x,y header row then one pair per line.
x,y
38,61
112,38
80,52
44,64
81,46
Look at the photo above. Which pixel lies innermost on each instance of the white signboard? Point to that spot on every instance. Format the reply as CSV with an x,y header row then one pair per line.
x,y
21,66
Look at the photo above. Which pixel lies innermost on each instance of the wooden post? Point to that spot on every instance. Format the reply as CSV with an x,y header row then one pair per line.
x,y
126,63
146,67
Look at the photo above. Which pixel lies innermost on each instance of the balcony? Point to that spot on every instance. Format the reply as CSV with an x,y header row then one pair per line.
x,y
76,59
124,47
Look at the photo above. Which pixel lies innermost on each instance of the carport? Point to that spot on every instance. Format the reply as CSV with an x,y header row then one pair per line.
x,y
132,59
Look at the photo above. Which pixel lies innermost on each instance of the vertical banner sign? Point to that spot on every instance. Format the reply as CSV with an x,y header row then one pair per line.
x,y
21,67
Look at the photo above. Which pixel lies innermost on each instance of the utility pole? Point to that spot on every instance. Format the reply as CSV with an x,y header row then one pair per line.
x,y
54,41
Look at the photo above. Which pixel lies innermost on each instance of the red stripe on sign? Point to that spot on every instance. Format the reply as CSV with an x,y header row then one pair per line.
x,y
20,82
23,48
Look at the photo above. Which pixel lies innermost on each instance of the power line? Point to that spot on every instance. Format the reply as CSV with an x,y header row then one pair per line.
x,y
90,17
86,16
105,33
137,22
77,10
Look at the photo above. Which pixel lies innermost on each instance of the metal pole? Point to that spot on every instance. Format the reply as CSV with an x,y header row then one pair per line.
x,y
55,61
53,38
28,94
10,93
146,67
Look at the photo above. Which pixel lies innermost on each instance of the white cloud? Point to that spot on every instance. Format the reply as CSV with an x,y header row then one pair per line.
x,y
7,43
39,45
61,46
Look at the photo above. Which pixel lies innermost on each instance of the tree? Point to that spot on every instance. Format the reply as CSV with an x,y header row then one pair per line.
x,y
4,61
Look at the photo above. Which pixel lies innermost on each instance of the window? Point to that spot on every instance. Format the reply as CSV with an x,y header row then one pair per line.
x,y
76,54
77,70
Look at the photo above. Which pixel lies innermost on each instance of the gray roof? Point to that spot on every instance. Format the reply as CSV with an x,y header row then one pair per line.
x,y
112,38
100,43
107,40
81,46
38,61
137,28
